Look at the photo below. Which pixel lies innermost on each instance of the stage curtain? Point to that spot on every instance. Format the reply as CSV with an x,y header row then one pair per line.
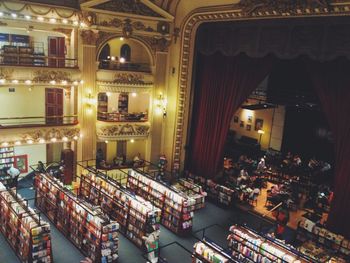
x,y
331,81
222,85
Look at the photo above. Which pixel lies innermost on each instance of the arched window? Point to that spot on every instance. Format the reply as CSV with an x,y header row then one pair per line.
x,y
125,52
105,52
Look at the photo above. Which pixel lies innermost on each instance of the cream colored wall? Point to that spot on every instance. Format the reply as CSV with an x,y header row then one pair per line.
x,y
111,151
273,125
17,104
35,154
138,52
136,147
139,103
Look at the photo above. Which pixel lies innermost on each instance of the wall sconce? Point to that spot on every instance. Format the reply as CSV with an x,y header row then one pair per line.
x,y
89,102
161,104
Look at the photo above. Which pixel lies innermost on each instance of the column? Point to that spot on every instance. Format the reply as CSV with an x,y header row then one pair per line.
x,y
88,96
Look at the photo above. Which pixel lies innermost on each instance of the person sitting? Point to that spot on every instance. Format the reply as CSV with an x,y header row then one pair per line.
x,y
118,161
137,160
104,165
261,165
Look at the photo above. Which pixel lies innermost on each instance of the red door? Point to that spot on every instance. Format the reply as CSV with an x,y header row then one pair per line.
x,y
54,106
56,50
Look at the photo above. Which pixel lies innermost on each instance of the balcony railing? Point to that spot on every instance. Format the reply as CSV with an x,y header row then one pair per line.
x,y
37,61
37,121
126,66
122,117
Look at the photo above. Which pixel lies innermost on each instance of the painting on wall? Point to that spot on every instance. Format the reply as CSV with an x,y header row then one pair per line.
x,y
235,119
249,127
250,119
21,163
241,124
259,124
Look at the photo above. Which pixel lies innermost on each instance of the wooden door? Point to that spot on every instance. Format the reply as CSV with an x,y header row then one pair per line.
x,y
56,50
54,106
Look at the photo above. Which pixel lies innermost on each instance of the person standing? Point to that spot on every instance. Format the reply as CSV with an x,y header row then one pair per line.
x,y
282,219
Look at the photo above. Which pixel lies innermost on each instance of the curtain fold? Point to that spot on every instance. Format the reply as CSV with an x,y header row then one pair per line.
x,y
331,81
223,83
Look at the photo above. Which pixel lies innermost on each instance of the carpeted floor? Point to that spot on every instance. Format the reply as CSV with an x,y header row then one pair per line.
x,y
217,220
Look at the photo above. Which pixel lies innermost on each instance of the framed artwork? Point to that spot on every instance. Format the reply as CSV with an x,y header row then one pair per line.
x,y
250,119
241,124
249,127
21,163
235,119
259,123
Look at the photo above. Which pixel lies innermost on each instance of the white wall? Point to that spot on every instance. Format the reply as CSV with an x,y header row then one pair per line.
x,y
18,104
35,154
139,103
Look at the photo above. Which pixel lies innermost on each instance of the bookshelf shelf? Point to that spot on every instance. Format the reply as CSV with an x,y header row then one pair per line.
x,y
177,209
83,224
27,234
134,214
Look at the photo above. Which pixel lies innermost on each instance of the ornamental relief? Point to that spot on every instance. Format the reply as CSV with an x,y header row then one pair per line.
x,y
123,130
39,136
49,75
129,78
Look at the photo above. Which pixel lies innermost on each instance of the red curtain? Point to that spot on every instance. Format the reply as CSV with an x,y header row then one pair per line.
x,y
223,83
332,83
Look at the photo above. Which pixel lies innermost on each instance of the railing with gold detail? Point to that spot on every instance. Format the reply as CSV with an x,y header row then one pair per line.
x,y
36,121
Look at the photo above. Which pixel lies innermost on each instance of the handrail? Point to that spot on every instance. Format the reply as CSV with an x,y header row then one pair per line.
x,y
37,60
38,117
127,66
10,122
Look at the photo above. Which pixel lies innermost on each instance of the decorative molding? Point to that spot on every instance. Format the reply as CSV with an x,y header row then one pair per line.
x,y
49,135
160,44
89,37
135,7
123,131
6,73
246,9
66,31
287,7
88,17
129,78
119,88
127,26
51,75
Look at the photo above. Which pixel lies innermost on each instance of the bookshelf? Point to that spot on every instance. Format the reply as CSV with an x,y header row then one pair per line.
x,y
245,243
206,251
321,244
217,192
134,214
6,157
27,234
192,190
102,106
83,224
177,209
123,103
